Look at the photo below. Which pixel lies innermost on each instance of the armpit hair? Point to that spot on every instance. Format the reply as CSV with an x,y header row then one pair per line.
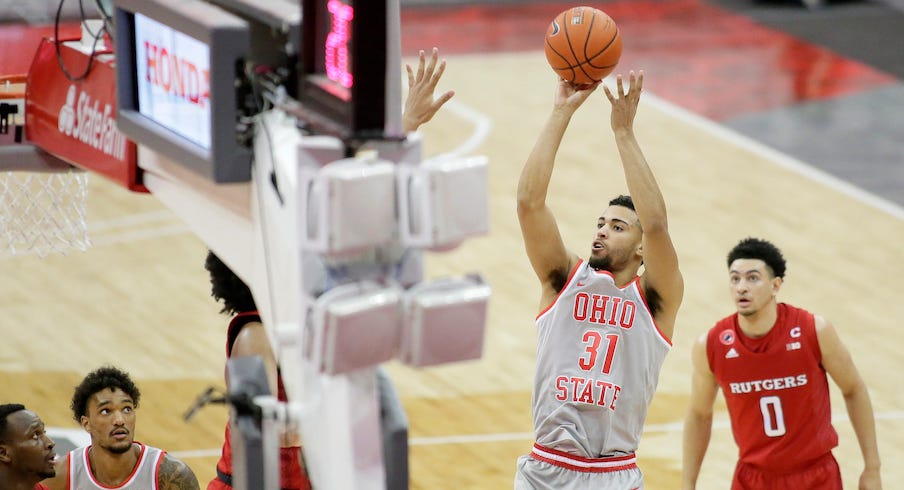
x,y
557,279
654,300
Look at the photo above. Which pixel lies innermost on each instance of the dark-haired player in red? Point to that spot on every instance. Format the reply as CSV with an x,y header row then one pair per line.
x,y
246,337
770,360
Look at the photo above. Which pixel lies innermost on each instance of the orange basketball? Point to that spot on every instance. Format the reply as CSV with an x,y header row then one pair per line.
x,y
583,45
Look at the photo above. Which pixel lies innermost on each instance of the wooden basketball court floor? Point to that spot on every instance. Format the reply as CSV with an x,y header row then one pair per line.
x,y
139,298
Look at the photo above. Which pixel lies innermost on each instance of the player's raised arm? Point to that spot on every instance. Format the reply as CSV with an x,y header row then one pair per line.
x,y
545,249
661,273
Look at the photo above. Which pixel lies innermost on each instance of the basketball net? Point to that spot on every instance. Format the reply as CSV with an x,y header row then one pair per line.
x,y
43,212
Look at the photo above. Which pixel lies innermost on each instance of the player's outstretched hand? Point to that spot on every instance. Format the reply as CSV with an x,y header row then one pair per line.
x,y
624,107
570,96
420,106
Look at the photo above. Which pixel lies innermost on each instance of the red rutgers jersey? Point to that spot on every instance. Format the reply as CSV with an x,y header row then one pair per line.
x,y
292,475
776,390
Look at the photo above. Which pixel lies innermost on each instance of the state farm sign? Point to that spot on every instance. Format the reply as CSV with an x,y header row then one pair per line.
x,y
76,120
91,123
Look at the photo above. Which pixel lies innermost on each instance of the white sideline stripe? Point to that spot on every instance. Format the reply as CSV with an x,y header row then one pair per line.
x,y
137,235
112,239
779,158
470,438
196,453
482,127
529,436
130,220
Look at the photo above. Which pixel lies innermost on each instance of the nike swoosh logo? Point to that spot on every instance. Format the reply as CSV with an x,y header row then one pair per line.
x,y
580,284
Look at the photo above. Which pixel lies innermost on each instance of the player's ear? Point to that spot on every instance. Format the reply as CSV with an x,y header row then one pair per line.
x,y
776,285
84,421
4,454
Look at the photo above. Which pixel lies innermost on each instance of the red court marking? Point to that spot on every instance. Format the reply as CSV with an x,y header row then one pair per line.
x,y
703,58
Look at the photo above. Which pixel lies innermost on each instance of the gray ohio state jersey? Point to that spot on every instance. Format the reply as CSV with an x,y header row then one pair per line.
x,y
599,353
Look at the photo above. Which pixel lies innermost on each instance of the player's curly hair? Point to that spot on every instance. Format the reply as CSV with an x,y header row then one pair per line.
x,y
98,380
227,287
756,248
5,411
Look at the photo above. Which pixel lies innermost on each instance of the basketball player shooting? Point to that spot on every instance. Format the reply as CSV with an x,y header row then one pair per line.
x,y
602,330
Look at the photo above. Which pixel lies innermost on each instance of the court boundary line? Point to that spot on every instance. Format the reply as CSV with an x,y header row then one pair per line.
x,y
669,427
164,214
483,124
482,127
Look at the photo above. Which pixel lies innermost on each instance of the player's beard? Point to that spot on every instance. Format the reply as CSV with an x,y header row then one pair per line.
x,y
47,473
600,263
119,449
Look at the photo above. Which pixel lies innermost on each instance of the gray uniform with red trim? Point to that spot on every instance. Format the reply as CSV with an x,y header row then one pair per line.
x,y
599,353
143,477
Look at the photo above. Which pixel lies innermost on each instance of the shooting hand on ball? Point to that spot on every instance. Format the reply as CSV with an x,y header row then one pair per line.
x,y
570,96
